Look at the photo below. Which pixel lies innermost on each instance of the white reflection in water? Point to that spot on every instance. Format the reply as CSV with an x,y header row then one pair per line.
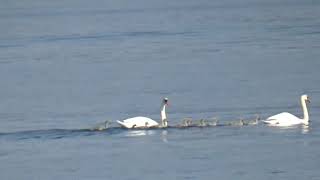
x,y
164,135
135,133
305,129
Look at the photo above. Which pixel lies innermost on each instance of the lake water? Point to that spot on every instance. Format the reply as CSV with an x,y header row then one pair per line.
x,y
66,66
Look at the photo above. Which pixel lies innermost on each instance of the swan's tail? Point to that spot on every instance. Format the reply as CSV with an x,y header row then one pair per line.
x,y
122,124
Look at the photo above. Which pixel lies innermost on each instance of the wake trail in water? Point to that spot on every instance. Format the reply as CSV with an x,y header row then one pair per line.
x,y
54,133
104,129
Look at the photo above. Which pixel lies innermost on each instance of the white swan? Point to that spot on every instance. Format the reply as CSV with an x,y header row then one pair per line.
x,y
287,119
145,122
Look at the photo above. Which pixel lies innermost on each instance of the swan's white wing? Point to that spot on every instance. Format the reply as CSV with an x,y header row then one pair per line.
x,y
137,122
284,115
283,119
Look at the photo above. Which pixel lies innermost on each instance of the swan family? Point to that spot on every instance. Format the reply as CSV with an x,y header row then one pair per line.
x,y
282,119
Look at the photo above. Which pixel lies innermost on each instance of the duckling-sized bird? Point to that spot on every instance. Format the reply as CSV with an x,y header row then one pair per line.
x,y
213,121
203,123
236,123
255,121
102,126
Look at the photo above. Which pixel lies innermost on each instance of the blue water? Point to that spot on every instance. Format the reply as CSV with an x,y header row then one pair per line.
x,y
66,66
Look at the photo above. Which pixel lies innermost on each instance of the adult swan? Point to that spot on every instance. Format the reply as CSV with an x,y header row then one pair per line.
x,y
287,119
144,122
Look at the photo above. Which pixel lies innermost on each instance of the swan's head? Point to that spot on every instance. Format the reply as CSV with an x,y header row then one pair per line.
x,y
165,101
305,98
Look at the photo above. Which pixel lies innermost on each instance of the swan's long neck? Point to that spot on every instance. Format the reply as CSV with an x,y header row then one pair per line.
x,y
305,111
163,115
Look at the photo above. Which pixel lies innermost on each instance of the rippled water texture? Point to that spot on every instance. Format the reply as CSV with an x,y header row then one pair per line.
x,y
66,66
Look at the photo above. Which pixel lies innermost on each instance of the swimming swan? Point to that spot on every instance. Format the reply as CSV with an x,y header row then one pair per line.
x,y
145,122
287,119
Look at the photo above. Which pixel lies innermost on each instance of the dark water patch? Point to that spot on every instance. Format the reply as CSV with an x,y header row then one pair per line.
x,y
70,12
49,12
6,46
308,33
6,61
277,172
5,153
43,134
240,173
63,10
92,37
234,42
292,29
155,33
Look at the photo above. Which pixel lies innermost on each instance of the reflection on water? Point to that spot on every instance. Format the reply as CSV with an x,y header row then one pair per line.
x,y
135,133
147,132
305,129
164,135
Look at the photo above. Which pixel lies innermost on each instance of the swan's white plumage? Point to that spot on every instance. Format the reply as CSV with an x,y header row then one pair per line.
x,y
287,119
283,119
138,122
144,122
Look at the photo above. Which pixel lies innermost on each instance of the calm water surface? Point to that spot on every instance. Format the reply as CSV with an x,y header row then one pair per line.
x,y
66,66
